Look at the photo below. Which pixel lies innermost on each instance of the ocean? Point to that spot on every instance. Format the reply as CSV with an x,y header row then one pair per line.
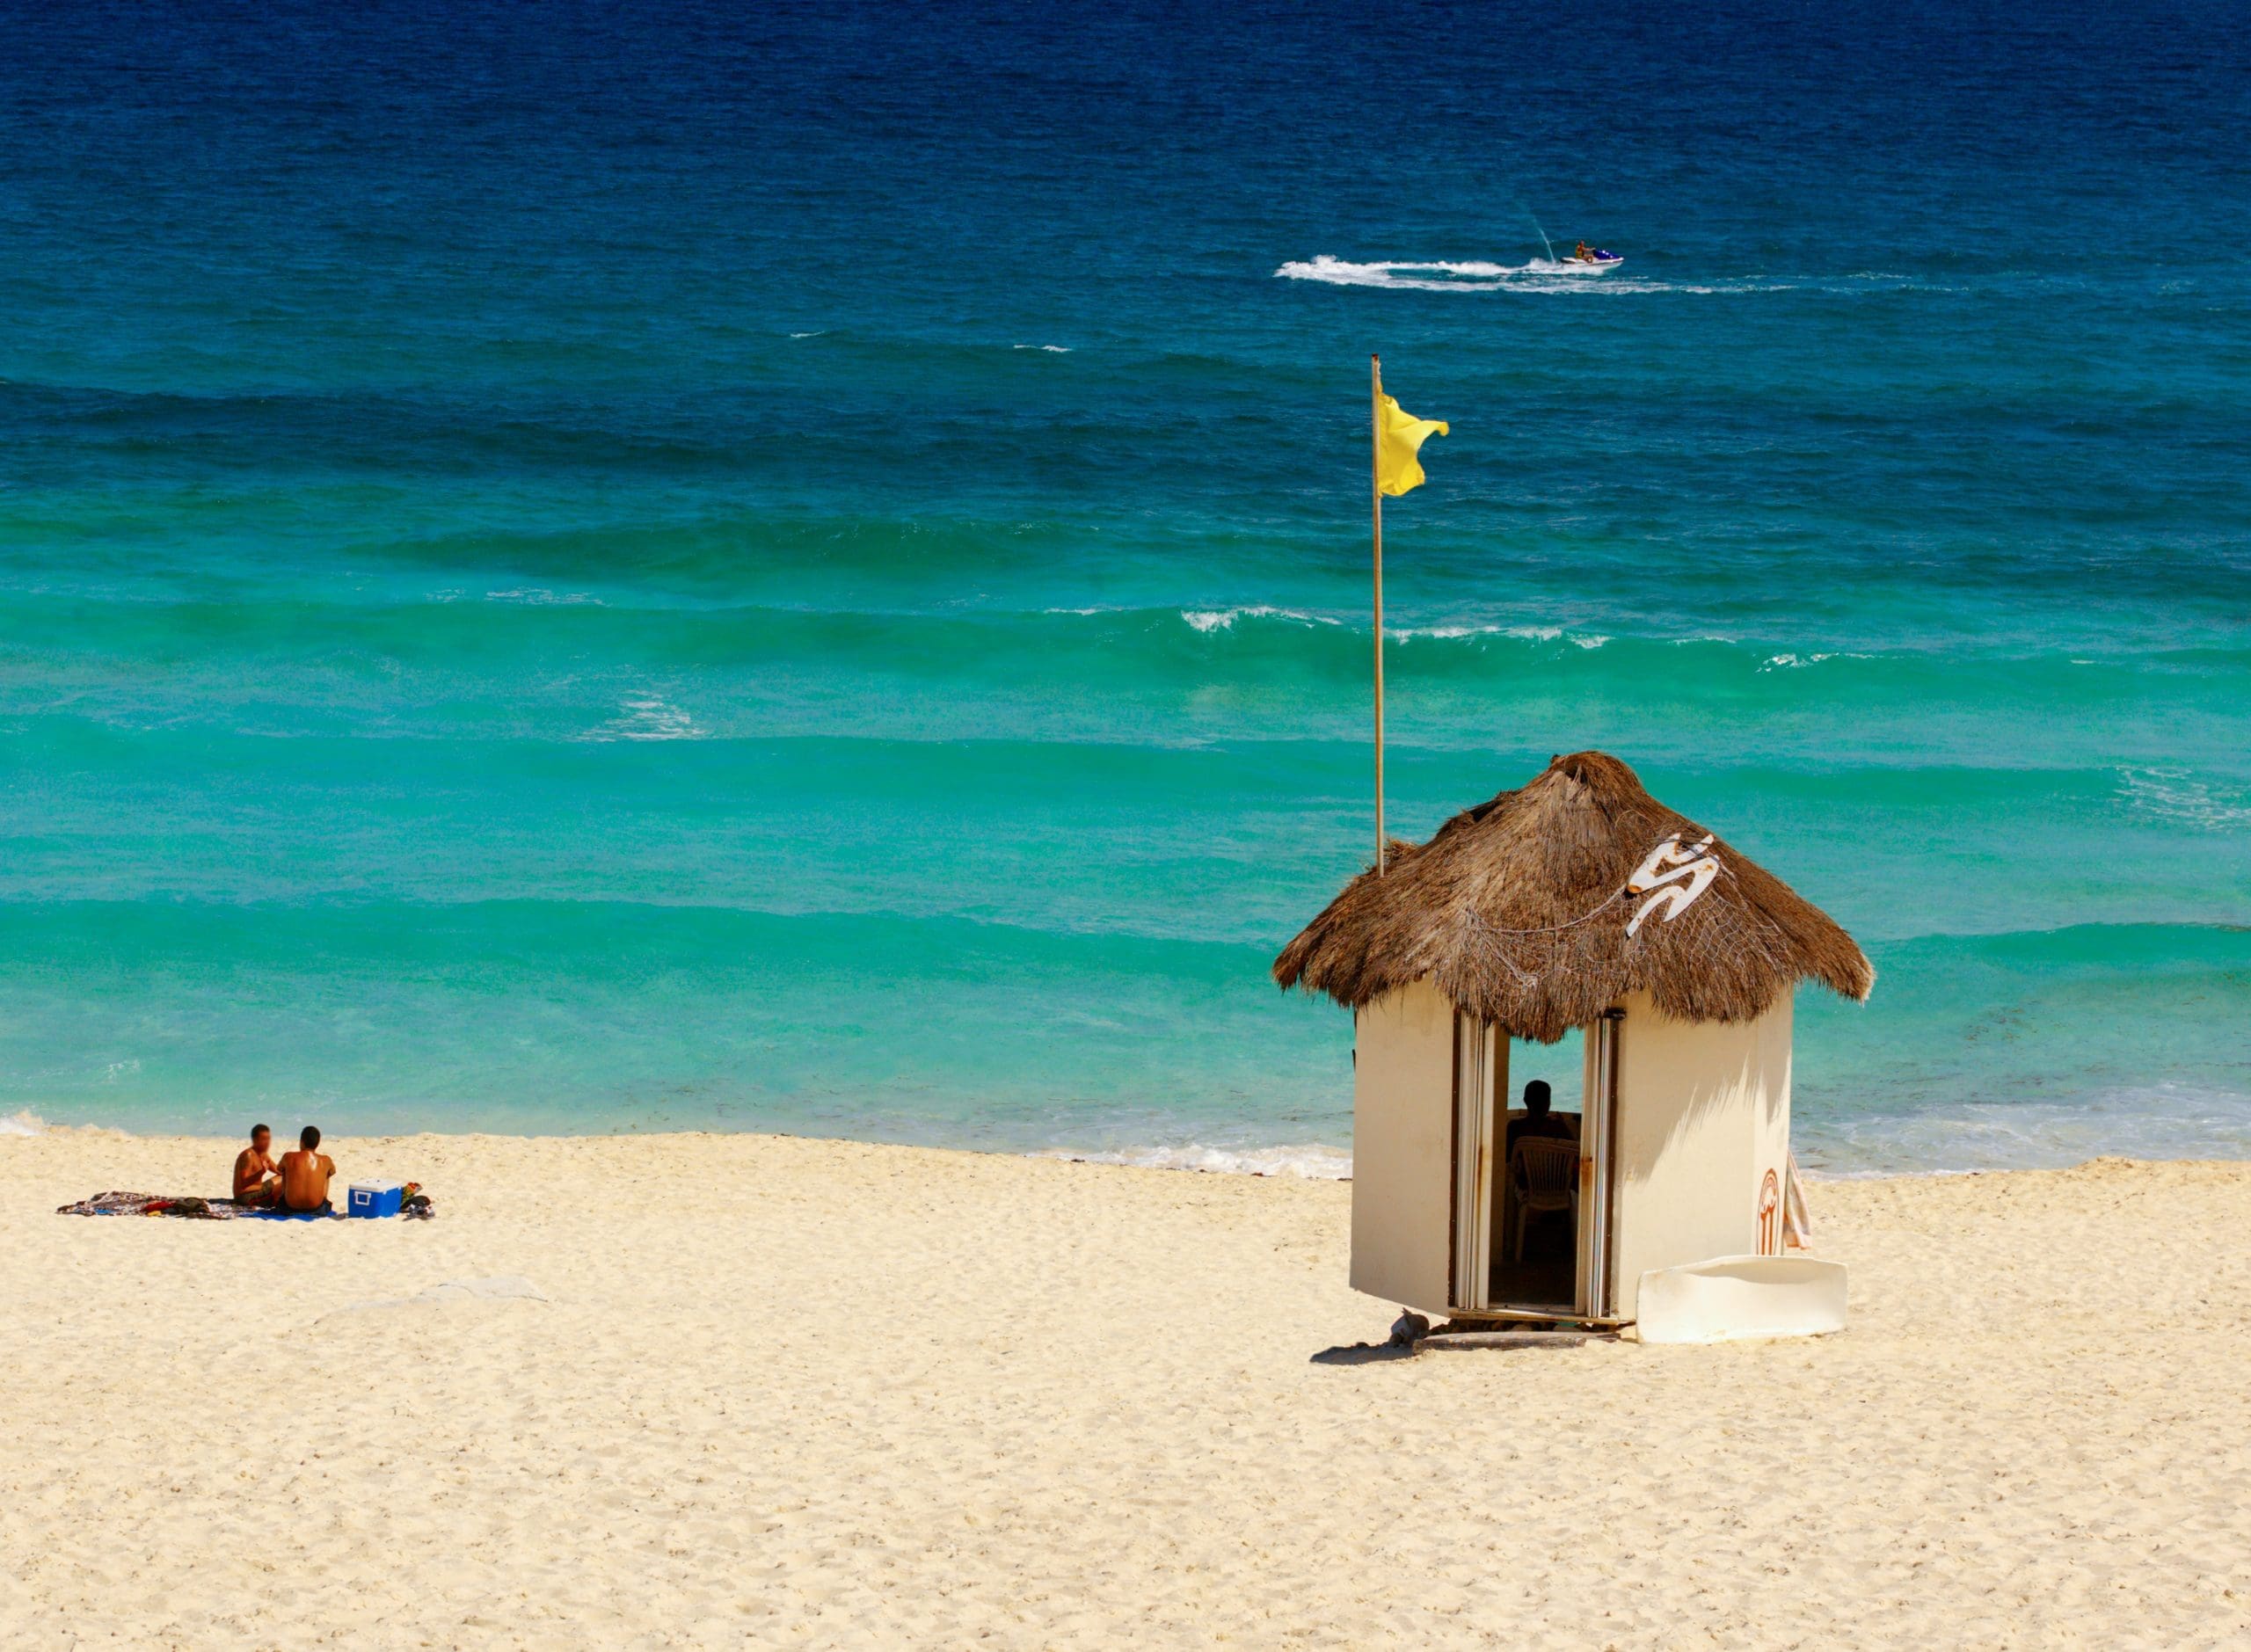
x,y
804,567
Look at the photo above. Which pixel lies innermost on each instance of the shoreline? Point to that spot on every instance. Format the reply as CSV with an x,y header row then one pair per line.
x,y
1282,1161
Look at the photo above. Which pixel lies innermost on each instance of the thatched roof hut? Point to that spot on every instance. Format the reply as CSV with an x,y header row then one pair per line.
x,y
1534,911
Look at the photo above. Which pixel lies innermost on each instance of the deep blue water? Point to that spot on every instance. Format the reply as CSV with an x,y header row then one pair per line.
x,y
804,567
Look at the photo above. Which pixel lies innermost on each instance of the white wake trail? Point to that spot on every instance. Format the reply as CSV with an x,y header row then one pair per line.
x,y
1471,275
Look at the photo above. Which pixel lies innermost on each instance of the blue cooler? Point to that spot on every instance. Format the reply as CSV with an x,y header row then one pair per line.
x,y
376,1199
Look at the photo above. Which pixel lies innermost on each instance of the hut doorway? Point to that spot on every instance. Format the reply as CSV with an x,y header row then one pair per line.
x,y
1531,1190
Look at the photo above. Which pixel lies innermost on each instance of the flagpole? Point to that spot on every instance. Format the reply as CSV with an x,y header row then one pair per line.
x,y
1376,493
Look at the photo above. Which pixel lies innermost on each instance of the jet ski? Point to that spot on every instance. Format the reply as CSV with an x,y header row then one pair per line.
x,y
1596,262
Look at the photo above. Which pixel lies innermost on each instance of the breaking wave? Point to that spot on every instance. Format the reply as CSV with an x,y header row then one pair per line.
x,y
648,717
2173,795
1206,621
1315,1161
2155,1121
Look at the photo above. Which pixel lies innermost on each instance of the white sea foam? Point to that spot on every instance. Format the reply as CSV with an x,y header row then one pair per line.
x,y
2161,1121
1051,349
2157,1121
537,596
1520,633
25,1123
818,332
2173,795
648,717
2164,1121
1314,1160
1209,620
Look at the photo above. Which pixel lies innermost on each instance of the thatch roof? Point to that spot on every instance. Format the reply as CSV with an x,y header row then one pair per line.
x,y
1517,910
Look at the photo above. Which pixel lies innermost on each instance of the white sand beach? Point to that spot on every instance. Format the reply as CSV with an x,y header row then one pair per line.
x,y
810,1392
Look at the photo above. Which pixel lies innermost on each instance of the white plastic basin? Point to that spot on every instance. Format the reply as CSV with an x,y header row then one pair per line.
x,y
1729,1298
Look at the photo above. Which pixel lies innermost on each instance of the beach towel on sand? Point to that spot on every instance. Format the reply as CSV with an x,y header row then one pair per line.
x,y
152,1204
186,1205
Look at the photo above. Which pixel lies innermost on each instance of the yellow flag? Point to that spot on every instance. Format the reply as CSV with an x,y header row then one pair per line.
x,y
1400,435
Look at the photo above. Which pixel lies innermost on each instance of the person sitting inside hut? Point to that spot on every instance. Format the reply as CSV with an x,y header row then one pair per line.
x,y
257,1179
1537,1120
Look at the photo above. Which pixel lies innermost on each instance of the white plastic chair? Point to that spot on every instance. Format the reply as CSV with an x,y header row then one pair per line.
x,y
1546,1174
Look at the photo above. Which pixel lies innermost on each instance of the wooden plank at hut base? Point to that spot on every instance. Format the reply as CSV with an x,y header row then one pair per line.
x,y
1733,1299
1446,1341
1547,1326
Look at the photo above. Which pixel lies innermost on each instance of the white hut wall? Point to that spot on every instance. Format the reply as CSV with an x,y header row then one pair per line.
x,y
1703,1113
1402,1148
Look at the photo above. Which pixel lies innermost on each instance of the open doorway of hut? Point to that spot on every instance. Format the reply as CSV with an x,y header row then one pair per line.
x,y
1536,1174
1515,1165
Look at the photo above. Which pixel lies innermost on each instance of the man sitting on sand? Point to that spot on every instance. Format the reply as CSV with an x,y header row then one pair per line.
x,y
1537,1120
257,1179
305,1173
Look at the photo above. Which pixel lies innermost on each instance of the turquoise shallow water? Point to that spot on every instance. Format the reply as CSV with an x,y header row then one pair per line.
x,y
808,572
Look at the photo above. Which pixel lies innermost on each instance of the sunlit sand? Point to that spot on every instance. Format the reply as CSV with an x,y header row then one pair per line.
x,y
821,1393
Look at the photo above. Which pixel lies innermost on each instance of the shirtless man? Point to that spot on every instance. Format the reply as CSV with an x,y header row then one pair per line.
x,y
257,1179
305,1173
1537,1120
